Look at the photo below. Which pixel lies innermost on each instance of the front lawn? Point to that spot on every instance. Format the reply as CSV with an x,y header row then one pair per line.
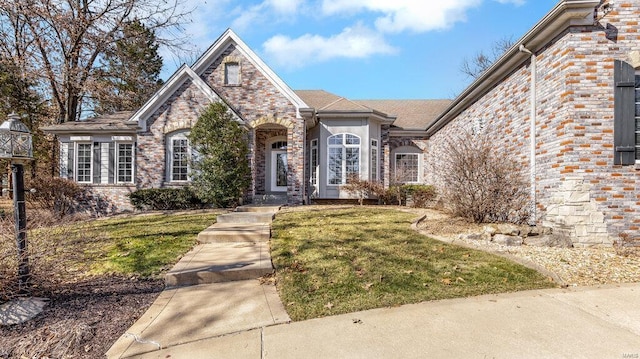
x,y
333,261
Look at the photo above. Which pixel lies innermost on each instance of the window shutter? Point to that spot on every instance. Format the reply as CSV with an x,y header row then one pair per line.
x,y
112,164
624,110
70,161
96,162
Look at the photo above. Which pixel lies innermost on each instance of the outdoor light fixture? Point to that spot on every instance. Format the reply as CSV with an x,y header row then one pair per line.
x,y
16,146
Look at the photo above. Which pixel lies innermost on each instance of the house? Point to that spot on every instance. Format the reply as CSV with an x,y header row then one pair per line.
x,y
303,144
565,101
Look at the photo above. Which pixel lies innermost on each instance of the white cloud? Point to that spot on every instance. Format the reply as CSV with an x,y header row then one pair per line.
x,y
266,10
514,2
406,15
352,42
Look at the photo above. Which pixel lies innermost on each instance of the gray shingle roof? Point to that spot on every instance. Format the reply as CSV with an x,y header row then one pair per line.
x,y
116,122
411,114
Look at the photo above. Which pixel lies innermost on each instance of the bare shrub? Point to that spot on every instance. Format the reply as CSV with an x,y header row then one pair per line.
x,y
362,189
50,246
58,195
481,183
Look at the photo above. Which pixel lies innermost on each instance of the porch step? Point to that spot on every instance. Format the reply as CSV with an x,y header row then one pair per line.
x,y
221,262
259,208
246,217
235,232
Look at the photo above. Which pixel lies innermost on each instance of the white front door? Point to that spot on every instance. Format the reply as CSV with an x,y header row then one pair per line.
x,y
278,171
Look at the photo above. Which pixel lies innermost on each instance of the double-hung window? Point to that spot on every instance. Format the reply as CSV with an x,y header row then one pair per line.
x,y
125,162
314,162
178,156
343,158
374,160
83,163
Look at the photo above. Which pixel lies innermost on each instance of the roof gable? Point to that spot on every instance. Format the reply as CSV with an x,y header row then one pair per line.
x,y
183,74
229,38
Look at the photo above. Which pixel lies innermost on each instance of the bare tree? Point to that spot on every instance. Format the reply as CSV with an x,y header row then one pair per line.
x,y
58,43
481,61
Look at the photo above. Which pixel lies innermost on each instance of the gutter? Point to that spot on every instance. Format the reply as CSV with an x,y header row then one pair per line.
x,y
565,14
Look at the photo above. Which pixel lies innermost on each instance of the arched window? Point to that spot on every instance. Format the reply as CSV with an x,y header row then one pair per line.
x,y
178,152
343,158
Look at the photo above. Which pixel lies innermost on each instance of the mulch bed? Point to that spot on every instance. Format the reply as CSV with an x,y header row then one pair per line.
x,y
82,320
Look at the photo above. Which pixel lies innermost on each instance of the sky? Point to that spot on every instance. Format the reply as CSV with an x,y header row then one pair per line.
x,y
363,49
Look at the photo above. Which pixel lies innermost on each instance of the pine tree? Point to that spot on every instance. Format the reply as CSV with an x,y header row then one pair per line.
x,y
220,169
130,71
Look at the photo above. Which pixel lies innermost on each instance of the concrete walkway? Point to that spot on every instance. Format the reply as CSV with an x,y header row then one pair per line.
x,y
214,289
592,322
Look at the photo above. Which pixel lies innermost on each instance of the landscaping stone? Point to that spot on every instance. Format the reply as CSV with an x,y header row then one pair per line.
x,y
507,240
21,310
549,240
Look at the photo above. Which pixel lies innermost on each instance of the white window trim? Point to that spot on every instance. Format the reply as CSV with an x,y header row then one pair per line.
x,y
169,154
315,172
344,147
395,165
116,162
76,162
375,167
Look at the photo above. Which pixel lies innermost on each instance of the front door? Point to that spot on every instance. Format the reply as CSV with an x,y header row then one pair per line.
x,y
279,171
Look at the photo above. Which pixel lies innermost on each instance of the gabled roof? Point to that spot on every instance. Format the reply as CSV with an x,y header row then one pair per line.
x,y
229,38
183,74
112,123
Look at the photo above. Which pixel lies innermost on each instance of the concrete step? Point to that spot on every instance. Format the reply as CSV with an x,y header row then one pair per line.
x,y
221,262
235,232
259,208
246,217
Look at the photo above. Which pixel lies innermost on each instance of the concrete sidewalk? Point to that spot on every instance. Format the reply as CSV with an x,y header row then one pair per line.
x,y
592,322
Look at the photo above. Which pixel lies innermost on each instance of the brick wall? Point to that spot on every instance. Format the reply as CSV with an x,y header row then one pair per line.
x,y
579,191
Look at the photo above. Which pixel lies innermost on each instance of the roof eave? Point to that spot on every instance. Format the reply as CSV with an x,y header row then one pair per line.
x,y
566,13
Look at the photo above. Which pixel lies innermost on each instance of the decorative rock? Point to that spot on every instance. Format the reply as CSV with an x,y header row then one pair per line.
x,y
21,310
490,229
508,229
549,240
507,240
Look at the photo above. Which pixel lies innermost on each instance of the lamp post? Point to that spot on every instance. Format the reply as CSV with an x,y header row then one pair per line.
x,y
16,146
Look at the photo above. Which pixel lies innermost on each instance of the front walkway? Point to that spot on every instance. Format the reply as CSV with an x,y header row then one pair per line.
x,y
214,289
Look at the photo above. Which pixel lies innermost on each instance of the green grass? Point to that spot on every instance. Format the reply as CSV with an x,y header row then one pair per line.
x,y
141,245
334,261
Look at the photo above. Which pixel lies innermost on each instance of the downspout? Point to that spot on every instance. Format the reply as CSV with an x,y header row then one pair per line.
x,y
532,132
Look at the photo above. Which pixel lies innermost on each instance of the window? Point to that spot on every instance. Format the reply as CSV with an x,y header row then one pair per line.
x,y
407,167
625,114
179,159
314,162
279,145
83,160
125,162
232,73
343,159
374,160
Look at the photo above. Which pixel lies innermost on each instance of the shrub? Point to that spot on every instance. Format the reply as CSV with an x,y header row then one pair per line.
x,y
421,194
362,189
165,199
481,183
58,195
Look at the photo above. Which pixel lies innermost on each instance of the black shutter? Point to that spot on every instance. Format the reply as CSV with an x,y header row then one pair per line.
x,y
70,163
112,164
624,113
96,162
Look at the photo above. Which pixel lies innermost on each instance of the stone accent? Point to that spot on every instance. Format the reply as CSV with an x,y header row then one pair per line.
x,y
575,214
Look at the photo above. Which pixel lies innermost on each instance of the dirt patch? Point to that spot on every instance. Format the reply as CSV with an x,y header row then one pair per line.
x,y
82,320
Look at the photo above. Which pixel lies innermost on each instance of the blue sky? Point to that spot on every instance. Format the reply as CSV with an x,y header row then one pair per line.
x,y
364,49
